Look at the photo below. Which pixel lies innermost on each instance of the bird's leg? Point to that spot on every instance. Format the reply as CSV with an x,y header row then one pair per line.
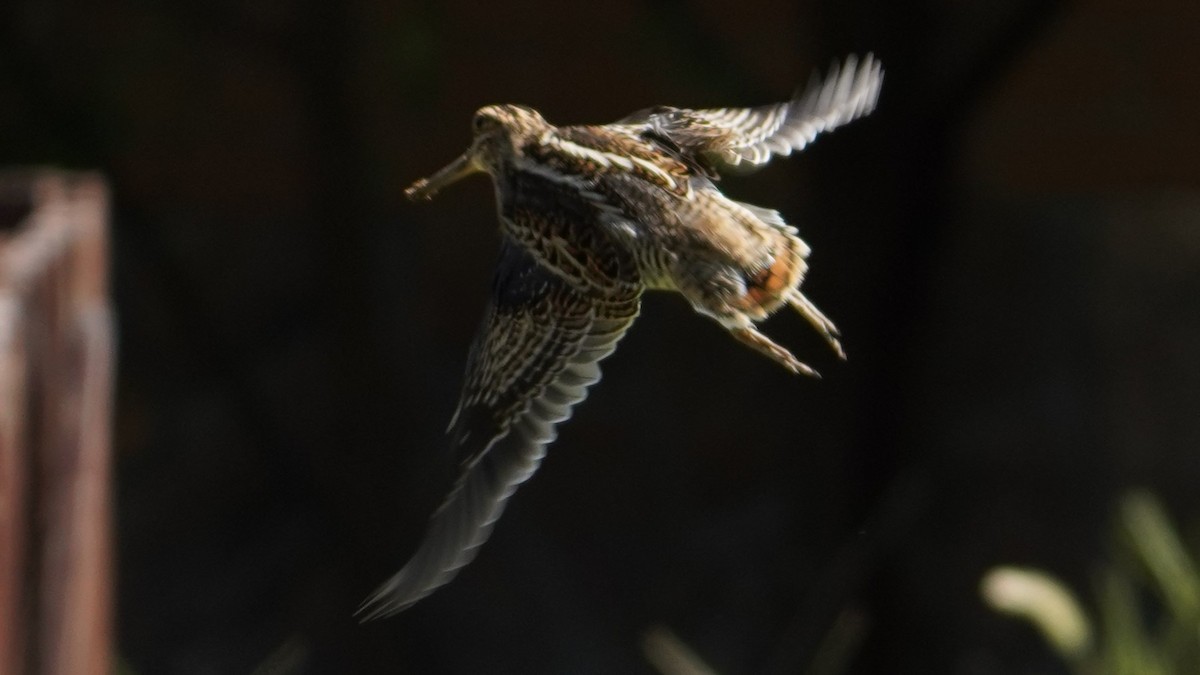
x,y
818,320
716,297
748,335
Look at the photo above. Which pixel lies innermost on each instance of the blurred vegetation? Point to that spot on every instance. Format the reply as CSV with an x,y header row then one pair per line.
x,y
1146,619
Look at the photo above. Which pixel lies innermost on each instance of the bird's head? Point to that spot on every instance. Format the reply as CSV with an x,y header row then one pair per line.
x,y
499,131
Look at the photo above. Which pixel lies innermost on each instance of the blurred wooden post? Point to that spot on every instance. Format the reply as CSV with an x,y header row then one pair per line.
x,y
56,376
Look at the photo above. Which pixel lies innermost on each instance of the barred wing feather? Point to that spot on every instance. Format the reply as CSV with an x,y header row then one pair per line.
x,y
533,360
754,135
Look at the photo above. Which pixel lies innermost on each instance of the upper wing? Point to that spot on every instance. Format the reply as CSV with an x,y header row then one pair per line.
x,y
734,135
532,361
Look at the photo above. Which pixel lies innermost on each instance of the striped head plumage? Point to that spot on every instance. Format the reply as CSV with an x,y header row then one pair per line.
x,y
591,217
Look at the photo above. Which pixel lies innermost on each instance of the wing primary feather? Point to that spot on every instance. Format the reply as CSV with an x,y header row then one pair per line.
x,y
732,136
519,385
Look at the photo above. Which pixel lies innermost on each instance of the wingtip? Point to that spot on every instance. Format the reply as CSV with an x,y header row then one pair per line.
x,y
389,599
365,613
375,606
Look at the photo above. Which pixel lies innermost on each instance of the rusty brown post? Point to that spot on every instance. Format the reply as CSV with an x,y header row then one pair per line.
x,y
56,387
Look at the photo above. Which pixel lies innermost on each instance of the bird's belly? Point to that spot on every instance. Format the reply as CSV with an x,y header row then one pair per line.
x,y
751,274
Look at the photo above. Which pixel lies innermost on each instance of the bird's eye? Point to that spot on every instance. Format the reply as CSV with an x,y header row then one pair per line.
x,y
482,123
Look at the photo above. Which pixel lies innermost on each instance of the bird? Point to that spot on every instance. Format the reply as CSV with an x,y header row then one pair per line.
x,y
591,217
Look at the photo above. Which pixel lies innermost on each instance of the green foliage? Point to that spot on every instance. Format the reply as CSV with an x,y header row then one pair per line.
x,y
1147,600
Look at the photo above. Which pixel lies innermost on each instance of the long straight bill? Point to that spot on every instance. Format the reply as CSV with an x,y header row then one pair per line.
x,y
425,188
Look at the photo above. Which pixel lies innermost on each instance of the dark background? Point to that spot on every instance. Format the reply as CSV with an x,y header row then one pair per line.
x,y
1010,245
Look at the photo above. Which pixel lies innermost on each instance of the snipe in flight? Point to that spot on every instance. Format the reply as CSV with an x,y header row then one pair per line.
x,y
592,216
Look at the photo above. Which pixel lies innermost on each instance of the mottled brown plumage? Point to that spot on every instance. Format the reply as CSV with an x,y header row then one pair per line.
x,y
592,216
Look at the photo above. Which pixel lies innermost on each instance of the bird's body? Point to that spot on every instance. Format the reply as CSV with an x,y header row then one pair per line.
x,y
591,217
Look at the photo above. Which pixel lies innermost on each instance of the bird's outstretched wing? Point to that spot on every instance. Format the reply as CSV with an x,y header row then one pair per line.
x,y
534,358
754,135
